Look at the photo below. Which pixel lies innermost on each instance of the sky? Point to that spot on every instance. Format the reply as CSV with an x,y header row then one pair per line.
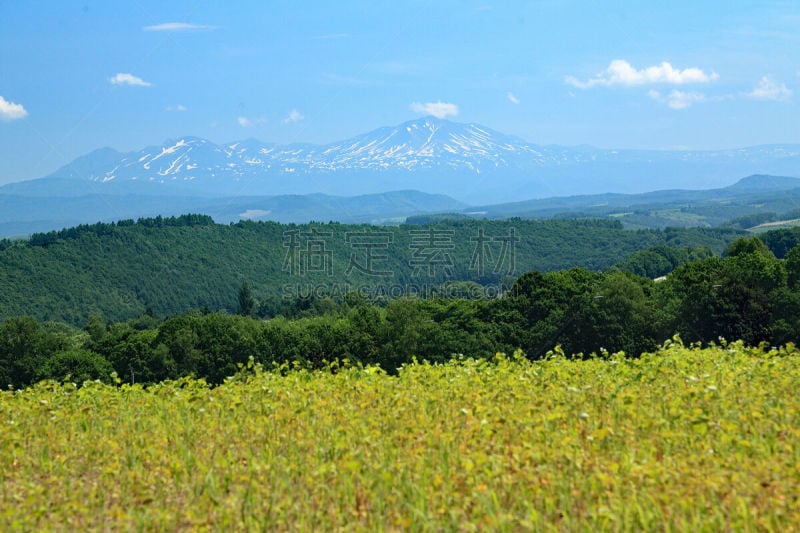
x,y
80,75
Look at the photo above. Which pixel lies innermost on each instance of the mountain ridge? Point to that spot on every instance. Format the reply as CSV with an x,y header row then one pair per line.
x,y
762,195
470,162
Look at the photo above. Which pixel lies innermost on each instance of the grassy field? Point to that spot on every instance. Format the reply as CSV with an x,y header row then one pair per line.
x,y
685,439
769,226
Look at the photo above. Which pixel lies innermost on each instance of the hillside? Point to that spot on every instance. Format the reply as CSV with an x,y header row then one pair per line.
x,y
170,265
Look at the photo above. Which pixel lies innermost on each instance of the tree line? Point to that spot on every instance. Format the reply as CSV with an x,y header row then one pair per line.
x,y
748,294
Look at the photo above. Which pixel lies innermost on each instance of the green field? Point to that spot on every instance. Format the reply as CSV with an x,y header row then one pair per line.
x,y
685,439
772,226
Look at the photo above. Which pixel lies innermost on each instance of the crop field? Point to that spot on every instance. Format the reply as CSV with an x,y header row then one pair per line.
x,y
684,439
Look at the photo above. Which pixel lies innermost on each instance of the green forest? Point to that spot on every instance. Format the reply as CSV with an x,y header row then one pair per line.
x,y
170,265
184,296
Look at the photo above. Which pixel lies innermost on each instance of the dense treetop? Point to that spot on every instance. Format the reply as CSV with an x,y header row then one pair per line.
x,y
169,265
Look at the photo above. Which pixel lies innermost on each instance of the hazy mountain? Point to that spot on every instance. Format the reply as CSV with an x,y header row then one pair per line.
x,y
454,164
22,215
762,182
469,162
390,207
757,194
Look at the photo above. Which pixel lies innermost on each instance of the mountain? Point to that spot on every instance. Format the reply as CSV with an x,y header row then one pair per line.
x,y
761,182
469,162
757,198
22,215
390,207
454,164
429,154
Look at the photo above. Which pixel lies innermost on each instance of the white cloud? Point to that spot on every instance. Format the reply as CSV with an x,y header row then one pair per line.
x,y
293,116
179,107
11,111
620,72
437,109
178,26
511,98
770,90
677,99
244,122
124,78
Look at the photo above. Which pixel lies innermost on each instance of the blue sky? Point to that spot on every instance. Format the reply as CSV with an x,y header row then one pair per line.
x,y
75,76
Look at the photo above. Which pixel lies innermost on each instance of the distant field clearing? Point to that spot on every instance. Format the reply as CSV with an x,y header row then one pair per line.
x,y
767,226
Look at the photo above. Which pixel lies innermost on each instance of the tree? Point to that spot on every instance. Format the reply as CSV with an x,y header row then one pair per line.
x,y
742,246
78,365
620,316
96,328
553,307
793,267
733,297
247,304
403,329
24,347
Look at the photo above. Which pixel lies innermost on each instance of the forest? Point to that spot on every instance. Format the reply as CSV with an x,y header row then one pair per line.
x,y
170,265
750,293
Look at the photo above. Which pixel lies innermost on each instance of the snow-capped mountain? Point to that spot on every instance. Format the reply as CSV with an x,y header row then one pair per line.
x,y
469,162
428,154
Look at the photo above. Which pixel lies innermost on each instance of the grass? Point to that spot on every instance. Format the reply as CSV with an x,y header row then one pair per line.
x,y
770,226
684,439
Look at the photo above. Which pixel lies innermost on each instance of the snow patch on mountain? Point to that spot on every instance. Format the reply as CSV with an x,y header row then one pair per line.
x,y
468,161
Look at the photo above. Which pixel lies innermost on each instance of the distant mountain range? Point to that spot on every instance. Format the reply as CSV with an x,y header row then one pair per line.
x,y
453,165
749,202
22,215
469,162
763,197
